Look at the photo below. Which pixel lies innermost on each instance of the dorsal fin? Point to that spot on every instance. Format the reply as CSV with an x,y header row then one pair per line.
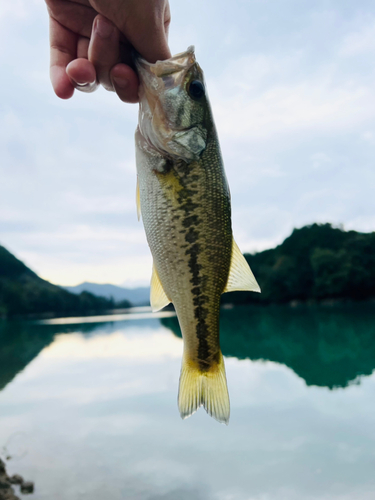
x,y
240,274
138,200
158,297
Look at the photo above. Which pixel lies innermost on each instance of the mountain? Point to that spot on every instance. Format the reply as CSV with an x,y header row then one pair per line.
x,y
317,262
137,296
22,292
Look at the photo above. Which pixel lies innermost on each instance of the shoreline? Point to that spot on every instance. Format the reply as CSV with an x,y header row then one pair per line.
x,y
8,482
140,310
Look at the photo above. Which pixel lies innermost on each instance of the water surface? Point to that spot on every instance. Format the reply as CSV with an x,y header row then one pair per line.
x,y
89,411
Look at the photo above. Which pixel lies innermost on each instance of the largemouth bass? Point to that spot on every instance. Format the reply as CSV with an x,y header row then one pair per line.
x,y
184,200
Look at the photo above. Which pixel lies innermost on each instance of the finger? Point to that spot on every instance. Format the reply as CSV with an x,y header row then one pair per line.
x,y
82,75
125,82
152,44
80,71
104,49
51,4
145,28
83,47
151,41
77,16
167,20
63,47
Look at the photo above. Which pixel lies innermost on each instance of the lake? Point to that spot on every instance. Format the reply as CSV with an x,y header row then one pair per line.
x,y
88,408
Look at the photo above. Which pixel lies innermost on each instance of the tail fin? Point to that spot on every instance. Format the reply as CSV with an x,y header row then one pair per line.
x,y
207,388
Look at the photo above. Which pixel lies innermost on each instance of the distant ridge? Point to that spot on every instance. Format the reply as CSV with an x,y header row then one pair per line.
x,y
316,263
24,293
137,296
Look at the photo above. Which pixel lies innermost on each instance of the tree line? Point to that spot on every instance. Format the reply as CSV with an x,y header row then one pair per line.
x,y
22,293
315,263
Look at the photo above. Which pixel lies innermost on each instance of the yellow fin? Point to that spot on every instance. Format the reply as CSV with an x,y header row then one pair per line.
x,y
138,200
204,388
158,297
240,274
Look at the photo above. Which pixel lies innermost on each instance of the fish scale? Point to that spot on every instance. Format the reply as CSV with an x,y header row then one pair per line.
x,y
185,206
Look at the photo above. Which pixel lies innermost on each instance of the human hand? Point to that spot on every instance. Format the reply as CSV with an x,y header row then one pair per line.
x,y
92,40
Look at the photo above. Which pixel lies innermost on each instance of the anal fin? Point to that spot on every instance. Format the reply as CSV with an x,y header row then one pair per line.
x,y
204,388
158,297
240,274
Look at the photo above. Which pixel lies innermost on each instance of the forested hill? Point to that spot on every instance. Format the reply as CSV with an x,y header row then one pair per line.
x,y
316,262
22,292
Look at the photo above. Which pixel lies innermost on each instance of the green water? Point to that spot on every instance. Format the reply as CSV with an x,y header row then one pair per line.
x,y
88,411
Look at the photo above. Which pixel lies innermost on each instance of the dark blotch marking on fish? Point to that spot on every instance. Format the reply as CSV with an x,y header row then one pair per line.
x,y
168,166
191,221
200,311
191,236
165,168
193,264
203,348
199,301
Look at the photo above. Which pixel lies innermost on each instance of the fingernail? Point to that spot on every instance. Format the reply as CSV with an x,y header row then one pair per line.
x,y
83,83
121,82
85,87
87,84
103,28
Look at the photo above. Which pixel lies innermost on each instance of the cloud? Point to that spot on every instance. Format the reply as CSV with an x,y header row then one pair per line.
x,y
18,9
361,41
271,97
292,95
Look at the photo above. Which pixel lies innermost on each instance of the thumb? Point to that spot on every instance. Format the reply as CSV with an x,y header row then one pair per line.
x,y
152,45
148,31
144,23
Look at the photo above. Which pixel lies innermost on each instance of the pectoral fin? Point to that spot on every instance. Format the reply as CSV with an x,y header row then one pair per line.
x,y
138,200
240,274
158,297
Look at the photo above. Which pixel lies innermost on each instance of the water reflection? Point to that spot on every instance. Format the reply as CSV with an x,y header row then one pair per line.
x,y
19,345
326,346
21,342
97,415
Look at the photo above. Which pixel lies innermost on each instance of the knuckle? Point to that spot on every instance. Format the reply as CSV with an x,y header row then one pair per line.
x,y
60,48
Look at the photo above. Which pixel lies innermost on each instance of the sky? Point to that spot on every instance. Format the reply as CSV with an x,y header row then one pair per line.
x,y
291,85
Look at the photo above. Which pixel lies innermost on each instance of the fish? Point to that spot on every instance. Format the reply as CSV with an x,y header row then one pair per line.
x,y
184,201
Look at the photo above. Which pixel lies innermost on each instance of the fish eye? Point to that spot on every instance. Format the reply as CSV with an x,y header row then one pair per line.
x,y
196,90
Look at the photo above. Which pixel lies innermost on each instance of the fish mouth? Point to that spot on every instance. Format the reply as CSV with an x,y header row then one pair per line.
x,y
157,80
179,63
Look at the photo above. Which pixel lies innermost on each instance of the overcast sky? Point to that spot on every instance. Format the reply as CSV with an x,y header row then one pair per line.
x,y
291,84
